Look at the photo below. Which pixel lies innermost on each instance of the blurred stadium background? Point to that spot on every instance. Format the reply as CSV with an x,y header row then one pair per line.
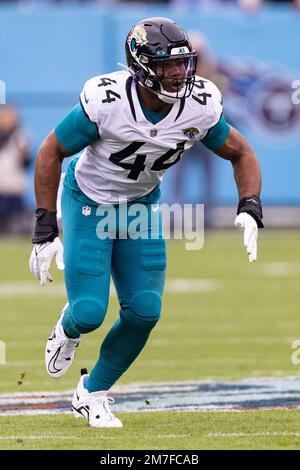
x,y
225,319
48,50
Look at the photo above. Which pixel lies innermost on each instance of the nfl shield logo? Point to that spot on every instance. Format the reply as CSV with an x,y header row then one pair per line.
x,y
153,133
86,210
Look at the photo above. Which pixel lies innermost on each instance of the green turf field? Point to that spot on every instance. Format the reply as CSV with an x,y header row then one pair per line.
x,y
239,325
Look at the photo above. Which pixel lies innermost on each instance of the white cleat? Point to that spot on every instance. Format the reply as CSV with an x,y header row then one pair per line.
x,y
94,406
60,350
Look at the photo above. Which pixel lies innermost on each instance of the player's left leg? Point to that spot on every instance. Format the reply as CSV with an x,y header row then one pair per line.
x,y
138,269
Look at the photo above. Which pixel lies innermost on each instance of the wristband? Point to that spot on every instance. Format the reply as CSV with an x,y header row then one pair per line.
x,y
252,205
46,228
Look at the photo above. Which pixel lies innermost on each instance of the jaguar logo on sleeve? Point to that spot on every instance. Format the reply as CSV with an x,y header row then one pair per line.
x,y
191,133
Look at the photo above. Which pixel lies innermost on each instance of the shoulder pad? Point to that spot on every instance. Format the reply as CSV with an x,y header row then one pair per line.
x,y
209,97
100,91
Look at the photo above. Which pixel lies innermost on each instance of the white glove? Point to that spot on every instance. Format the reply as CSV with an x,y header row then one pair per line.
x,y
41,257
247,223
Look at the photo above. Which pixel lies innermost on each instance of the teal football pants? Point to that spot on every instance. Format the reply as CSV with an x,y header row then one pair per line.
x,y
138,269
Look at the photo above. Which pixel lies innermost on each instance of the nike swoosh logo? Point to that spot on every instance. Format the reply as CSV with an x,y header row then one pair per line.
x,y
155,208
51,364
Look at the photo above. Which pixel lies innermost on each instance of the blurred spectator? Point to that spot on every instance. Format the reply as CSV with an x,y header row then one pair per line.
x,y
295,3
14,159
249,5
145,1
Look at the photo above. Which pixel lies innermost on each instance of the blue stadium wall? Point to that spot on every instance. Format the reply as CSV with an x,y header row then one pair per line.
x,y
46,54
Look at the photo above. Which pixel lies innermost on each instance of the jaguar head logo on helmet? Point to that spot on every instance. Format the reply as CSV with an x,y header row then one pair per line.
x,y
161,58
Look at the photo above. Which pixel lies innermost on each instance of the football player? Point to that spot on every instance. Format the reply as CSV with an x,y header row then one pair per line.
x,y
133,125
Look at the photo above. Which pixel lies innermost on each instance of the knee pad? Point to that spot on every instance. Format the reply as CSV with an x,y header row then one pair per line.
x,y
146,307
87,315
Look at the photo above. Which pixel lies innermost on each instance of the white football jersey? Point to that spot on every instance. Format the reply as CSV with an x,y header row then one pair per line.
x,y
131,156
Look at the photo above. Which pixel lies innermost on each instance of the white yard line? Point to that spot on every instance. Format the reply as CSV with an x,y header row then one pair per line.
x,y
24,363
183,286
37,438
228,340
72,437
156,362
30,289
254,434
281,269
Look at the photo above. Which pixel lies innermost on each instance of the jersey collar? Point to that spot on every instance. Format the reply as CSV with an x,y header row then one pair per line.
x,y
137,112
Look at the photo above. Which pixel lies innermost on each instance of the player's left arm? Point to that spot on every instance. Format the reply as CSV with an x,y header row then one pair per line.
x,y
247,175
229,144
246,168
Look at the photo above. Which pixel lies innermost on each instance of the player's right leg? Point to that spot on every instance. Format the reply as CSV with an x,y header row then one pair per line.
x,y
87,275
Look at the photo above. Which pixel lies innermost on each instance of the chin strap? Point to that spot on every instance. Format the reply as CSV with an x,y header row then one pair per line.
x,y
168,99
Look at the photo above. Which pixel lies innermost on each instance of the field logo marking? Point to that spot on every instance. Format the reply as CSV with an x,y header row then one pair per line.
x,y
208,396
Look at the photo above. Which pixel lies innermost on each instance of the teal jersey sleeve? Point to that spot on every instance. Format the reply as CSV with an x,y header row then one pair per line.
x,y
76,131
217,134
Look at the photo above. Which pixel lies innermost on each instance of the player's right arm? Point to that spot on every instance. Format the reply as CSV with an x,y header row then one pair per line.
x,y
75,132
48,171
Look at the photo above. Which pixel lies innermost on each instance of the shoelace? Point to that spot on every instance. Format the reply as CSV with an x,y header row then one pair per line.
x,y
104,403
58,342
